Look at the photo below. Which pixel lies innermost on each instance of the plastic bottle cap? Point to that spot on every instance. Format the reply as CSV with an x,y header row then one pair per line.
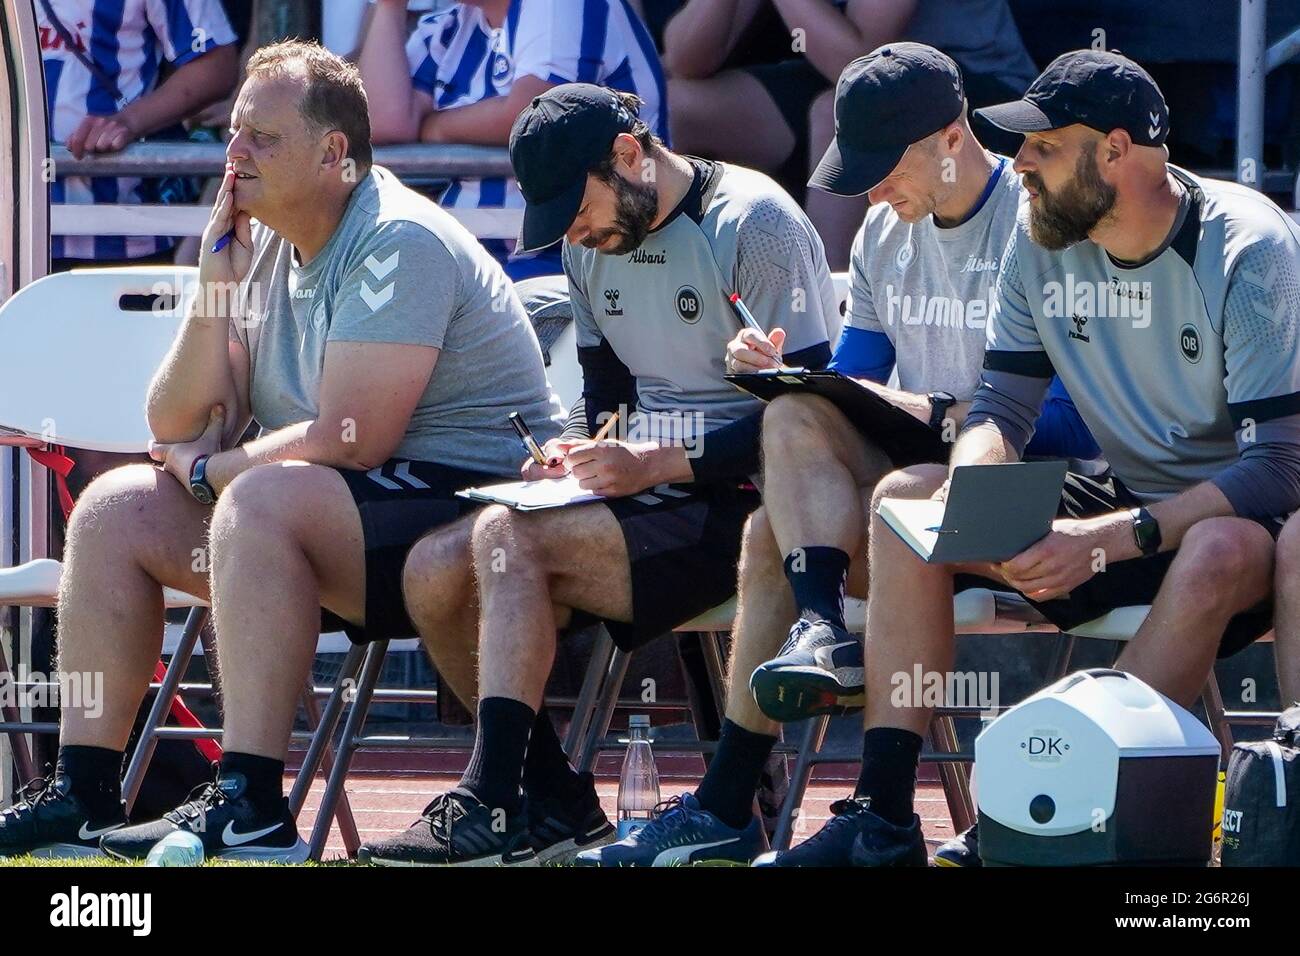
x,y
638,720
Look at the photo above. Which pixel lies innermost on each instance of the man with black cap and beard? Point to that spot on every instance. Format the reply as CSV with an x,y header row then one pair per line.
x,y
1169,305
655,247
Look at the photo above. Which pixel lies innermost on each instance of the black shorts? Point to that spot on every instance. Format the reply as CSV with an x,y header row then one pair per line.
x,y
1136,581
683,546
399,502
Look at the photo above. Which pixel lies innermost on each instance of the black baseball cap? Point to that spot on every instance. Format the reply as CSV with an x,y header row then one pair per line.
x,y
885,101
1098,88
558,138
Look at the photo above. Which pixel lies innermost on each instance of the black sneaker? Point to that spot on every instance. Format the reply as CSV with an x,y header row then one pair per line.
x,y
225,820
559,828
854,836
457,829
47,821
961,850
818,671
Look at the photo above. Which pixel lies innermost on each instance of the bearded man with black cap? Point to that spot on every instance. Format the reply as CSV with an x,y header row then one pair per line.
x,y
1169,306
655,245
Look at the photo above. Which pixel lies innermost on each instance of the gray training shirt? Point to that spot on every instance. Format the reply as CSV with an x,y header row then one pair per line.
x,y
663,308
400,269
931,289
1184,366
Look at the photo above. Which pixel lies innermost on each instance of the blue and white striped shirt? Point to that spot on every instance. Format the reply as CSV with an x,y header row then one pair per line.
x,y
127,39
458,58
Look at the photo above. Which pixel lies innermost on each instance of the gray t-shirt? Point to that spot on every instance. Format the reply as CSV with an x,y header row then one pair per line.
x,y
399,269
663,308
1180,364
931,289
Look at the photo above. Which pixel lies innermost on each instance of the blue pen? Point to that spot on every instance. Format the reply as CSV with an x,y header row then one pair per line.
x,y
223,241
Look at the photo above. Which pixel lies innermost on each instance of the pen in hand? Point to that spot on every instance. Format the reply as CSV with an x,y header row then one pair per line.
x,y
748,319
526,436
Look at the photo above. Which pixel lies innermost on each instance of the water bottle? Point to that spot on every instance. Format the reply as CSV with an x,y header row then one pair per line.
x,y
638,786
178,848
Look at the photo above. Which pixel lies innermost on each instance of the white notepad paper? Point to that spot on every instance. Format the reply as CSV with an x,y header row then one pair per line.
x,y
532,495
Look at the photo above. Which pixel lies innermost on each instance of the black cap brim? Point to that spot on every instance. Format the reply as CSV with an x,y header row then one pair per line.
x,y
856,171
1018,116
545,223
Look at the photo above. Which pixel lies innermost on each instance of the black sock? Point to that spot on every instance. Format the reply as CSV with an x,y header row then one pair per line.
x,y
546,766
727,790
889,760
265,777
95,778
496,766
817,576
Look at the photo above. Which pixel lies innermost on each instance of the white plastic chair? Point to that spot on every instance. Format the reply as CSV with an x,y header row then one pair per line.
x,y
77,352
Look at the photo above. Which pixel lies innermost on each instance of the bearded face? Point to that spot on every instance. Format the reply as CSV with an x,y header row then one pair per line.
x,y
1061,217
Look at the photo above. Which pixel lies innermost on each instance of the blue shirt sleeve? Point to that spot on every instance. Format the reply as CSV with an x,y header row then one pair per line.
x,y
1060,431
864,353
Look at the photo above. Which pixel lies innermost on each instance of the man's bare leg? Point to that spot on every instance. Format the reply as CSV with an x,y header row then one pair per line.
x,y
442,597
532,569
821,505
442,600
1223,566
1286,645
816,466
134,531
286,541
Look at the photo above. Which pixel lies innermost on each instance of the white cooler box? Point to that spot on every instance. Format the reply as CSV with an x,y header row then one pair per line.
x,y
1097,769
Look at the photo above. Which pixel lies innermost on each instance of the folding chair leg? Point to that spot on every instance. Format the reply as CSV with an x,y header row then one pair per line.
x,y
602,652
322,732
320,832
11,715
148,741
208,640
711,644
320,748
604,710
813,737
955,777
1214,713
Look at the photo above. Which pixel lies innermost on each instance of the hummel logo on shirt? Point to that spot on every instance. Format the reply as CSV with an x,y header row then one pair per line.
x,y
611,296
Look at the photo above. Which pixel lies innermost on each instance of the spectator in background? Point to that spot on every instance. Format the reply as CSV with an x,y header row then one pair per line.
x,y
102,63
717,110
470,68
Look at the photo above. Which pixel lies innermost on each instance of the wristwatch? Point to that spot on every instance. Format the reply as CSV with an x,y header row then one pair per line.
x,y
940,402
199,487
1146,531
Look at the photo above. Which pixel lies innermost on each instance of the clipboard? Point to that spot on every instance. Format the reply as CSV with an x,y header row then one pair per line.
x,y
906,440
532,495
993,512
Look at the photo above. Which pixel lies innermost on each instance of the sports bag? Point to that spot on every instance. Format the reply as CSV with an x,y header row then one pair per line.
x,y
1261,804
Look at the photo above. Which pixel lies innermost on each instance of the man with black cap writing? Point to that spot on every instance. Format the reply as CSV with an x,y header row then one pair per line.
x,y
655,244
924,265
1169,306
